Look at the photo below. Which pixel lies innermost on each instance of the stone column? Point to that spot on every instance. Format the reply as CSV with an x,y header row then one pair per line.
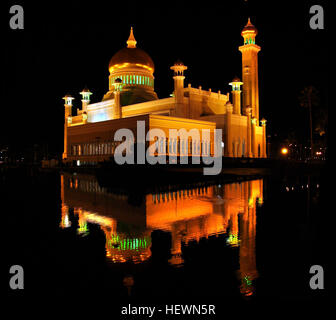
x,y
253,138
264,145
249,131
228,149
117,106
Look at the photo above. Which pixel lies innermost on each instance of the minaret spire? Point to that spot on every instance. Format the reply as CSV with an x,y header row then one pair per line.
x,y
249,52
131,42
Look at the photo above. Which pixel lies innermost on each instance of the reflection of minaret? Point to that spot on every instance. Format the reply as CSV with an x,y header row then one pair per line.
x,y
82,221
234,229
176,249
65,222
247,258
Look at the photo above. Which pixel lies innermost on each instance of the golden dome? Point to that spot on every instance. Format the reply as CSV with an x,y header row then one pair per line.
x,y
131,56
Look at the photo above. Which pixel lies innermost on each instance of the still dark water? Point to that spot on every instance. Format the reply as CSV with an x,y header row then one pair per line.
x,y
252,240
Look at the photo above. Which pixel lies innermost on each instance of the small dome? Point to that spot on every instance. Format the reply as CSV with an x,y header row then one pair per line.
x,y
86,90
249,28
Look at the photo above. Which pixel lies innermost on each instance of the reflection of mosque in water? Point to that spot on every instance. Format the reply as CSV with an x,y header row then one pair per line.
x,y
191,214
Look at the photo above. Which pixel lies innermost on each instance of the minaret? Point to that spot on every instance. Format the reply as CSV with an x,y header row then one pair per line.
x,y
85,98
236,93
179,68
250,69
67,119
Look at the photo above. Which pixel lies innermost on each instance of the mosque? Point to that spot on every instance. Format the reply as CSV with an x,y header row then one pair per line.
x,y
89,132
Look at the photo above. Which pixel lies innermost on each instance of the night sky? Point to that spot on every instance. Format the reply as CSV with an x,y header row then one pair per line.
x,y
66,46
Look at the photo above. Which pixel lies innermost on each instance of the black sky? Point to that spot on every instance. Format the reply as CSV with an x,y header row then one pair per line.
x,y
67,45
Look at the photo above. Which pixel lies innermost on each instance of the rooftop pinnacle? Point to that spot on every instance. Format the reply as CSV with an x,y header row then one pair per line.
x,y
131,42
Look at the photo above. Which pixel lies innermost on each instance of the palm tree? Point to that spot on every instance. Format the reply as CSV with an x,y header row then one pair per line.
x,y
309,98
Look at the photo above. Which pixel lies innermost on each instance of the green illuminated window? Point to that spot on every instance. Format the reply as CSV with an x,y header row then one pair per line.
x,y
127,79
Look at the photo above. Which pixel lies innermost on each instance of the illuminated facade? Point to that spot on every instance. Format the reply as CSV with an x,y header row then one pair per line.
x,y
88,134
187,214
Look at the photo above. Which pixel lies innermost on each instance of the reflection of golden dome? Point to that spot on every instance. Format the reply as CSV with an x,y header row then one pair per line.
x,y
131,56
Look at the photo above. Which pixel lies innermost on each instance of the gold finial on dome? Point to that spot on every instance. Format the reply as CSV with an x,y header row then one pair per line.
x,y
131,42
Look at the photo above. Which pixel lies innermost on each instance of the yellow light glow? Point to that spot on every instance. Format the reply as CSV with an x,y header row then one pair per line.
x,y
126,64
284,150
144,66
